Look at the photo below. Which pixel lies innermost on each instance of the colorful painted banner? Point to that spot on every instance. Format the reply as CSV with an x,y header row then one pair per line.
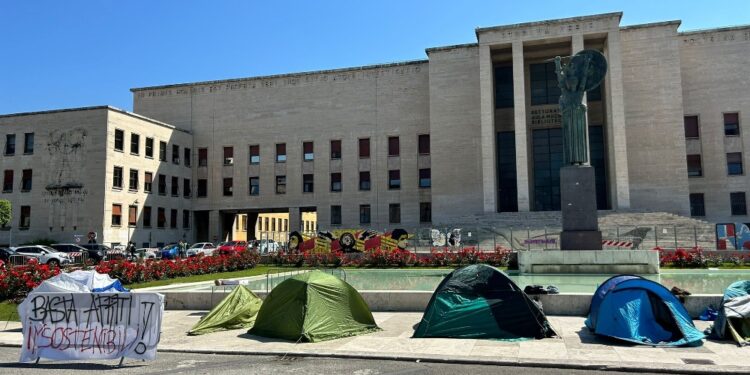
x,y
736,235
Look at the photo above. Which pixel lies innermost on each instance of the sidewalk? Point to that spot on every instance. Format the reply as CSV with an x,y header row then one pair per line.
x,y
577,348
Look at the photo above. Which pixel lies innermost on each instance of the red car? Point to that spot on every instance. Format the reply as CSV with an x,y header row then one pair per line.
x,y
231,247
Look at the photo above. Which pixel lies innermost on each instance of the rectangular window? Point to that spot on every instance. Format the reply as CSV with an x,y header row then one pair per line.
x,y
117,178
307,183
119,140
255,154
228,186
254,186
175,186
424,144
335,215
695,169
149,147
734,163
394,179
132,216
731,124
307,150
737,201
8,181
228,155
364,148
273,225
173,219
697,205
175,154
162,184
364,181
394,213
281,152
187,190
26,180
267,226
543,80
394,149
25,221
425,212
135,143
133,185
187,156
186,219
116,215
691,127
163,151
148,182
202,157
10,144
364,214
280,184
146,216
336,149
202,188
504,87
335,182
161,217
425,178
28,143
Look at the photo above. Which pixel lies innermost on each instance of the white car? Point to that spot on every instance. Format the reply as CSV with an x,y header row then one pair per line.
x,y
205,248
148,252
268,246
45,254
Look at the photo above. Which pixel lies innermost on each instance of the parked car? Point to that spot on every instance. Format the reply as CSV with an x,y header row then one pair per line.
x,y
148,252
231,247
95,255
268,246
44,254
205,248
171,251
5,254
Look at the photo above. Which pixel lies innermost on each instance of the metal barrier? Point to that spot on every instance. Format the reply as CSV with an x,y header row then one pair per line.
x,y
275,276
79,257
18,260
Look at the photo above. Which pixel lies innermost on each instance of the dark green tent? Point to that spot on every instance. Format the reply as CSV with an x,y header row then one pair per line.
x,y
313,306
480,301
237,310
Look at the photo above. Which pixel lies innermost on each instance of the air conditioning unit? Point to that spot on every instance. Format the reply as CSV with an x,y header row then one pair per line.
x,y
228,161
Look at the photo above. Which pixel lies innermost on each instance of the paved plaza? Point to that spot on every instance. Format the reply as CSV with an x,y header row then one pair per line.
x,y
576,349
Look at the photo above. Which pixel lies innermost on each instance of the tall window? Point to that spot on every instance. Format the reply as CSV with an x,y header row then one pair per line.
x,y
163,151
119,140
25,220
281,152
307,151
737,201
117,178
697,205
544,88
26,180
425,178
394,179
394,149
280,184
187,157
202,157
187,190
162,184
364,148
731,124
116,215
149,147
336,149
691,127
734,163
173,218
364,214
254,185
146,216
28,143
255,154
335,215
10,144
8,181
394,213
148,182
176,154
228,182
425,212
424,144
175,186
364,180
202,188
186,219
135,143
228,155
132,216
695,169
504,87
161,217
307,183
133,185
335,182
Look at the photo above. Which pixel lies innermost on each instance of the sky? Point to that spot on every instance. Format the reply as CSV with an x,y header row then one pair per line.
x,y
62,54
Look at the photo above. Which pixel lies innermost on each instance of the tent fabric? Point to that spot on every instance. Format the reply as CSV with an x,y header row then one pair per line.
x,y
81,282
480,301
641,311
314,306
237,310
733,320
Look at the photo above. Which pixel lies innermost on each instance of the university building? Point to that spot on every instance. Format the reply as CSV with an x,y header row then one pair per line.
x,y
473,129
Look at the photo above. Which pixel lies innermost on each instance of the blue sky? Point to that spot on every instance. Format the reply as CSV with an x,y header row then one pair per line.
x,y
58,54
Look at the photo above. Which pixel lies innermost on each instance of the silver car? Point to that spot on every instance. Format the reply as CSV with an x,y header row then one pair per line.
x,y
45,254
205,248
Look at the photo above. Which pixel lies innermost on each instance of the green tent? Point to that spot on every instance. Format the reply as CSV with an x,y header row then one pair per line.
x,y
237,310
313,306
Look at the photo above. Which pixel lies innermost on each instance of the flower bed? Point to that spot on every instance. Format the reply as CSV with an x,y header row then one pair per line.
x,y
698,258
17,282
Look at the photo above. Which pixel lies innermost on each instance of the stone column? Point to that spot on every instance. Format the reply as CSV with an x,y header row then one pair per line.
x,y
520,129
577,46
487,118
295,219
616,135
214,226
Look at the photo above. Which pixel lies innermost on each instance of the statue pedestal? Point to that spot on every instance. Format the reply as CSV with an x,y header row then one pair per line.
x,y
580,225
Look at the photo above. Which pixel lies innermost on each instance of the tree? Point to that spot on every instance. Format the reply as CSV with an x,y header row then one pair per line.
x,y
5,212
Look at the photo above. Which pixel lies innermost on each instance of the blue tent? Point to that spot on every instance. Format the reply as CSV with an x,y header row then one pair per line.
x,y
641,311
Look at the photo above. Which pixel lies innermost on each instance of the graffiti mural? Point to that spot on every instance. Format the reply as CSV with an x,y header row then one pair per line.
x,y
450,237
736,235
348,240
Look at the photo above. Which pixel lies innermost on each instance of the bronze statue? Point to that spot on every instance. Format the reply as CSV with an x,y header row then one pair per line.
x,y
584,72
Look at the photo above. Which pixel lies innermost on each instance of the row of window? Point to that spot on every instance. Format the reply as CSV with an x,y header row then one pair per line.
x,y
10,144
8,180
308,150
146,217
394,213
731,125
734,164
135,147
148,181
737,204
